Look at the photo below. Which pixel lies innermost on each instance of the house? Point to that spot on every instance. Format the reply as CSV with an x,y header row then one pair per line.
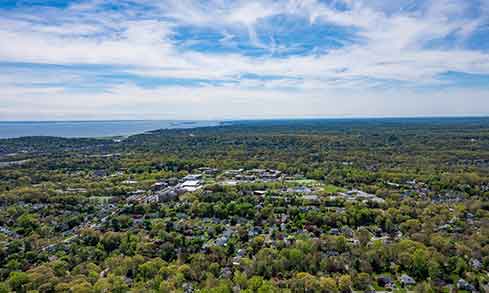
x,y
385,281
191,185
301,189
192,177
289,240
475,264
407,280
312,199
154,198
353,241
117,174
222,241
226,273
241,253
232,173
444,227
254,231
187,287
283,227
383,239
172,181
159,185
411,182
330,253
230,182
334,231
208,170
8,232
129,182
464,285
99,173
256,172
270,175
245,177
263,174
347,231
392,184
76,190
236,260
376,200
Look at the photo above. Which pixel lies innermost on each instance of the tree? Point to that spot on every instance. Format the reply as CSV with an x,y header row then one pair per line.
x,y
41,275
363,236
112,283
111,241
28,223
420,264
148,270
424,287
361,281
18,280
304,282
267,287
328,284
4,288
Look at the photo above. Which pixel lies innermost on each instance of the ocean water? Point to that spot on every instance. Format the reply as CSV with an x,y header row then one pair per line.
x,y
92,128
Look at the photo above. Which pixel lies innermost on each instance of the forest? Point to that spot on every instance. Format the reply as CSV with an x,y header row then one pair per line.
x,y
306,205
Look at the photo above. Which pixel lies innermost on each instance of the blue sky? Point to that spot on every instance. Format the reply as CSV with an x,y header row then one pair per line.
x,y
222,59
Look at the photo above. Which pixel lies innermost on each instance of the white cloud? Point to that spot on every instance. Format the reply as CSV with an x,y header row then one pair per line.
x,y
392,46
232,101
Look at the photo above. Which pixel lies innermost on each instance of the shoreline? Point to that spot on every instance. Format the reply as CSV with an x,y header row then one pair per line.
x,y
94,129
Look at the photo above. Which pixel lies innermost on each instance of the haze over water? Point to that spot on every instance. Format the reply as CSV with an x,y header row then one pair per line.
x,y
92,128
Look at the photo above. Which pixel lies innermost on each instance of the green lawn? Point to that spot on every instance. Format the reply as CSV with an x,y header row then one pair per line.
x,y
333,189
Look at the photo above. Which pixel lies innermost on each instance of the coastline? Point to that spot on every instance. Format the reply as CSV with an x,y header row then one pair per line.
x,y
94,129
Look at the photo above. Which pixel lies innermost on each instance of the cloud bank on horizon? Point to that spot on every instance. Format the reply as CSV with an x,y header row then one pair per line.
x,y
223,59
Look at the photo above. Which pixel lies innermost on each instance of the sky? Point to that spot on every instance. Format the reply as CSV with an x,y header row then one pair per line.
x,y
252,59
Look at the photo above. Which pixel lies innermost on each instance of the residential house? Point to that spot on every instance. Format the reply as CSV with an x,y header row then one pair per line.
x,y
407,281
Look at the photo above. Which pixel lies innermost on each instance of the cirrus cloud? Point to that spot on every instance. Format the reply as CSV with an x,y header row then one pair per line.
x,y
282,58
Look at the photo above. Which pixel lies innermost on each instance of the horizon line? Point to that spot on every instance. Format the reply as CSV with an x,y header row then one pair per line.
x,y
254,118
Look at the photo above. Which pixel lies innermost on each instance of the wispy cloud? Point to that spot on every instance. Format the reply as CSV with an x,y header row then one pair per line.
x,y
221,54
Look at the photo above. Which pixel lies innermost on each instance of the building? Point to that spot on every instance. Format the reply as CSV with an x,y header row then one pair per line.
x,y
192,177
167,195
464,285
311,199
407,281
358,195
208,171
159,185
191,185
